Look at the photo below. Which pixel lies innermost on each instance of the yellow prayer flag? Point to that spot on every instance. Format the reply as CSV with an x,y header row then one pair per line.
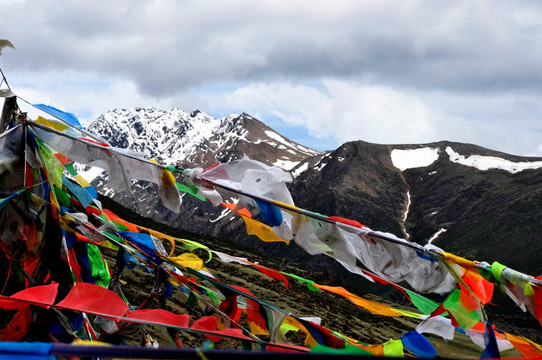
x,y
188,260
262,231
528,290
167,178
469,264
51,123
82,181
256,330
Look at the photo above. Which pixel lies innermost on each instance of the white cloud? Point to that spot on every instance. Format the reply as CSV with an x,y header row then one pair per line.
x,y
86,96
343,110
380,114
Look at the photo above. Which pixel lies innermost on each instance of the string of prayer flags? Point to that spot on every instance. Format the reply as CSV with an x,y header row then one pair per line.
x,y
348,243
81,229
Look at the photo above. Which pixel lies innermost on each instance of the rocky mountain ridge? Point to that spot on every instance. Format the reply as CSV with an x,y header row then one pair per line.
x,y
197,139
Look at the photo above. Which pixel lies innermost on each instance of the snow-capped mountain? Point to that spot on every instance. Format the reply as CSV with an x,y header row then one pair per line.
x,y
197,139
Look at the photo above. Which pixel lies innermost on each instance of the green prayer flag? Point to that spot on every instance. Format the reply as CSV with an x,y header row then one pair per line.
x,y
173,168
422,303
394,348
120,226
192,190
347,350
98,267
310,283
496,270
53,167
71,169
192,299
62,197
113,237
464,318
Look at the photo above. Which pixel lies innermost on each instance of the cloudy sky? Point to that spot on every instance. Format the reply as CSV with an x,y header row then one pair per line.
x,y
319,72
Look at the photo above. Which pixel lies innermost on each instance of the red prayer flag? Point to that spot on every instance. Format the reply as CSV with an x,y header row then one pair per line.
x,y
482,288
38,295
94,299
16,329
346,221
160,316
207,323
229,307
272,273
43,295
253,314
538,302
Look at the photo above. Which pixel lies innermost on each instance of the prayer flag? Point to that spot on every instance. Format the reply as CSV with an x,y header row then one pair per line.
x,y
94,299
418,344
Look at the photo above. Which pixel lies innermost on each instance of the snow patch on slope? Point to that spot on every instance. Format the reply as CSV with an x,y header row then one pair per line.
x,y
285,165
405,216
436,235
491,162
300,170
273,135
91,172
413,158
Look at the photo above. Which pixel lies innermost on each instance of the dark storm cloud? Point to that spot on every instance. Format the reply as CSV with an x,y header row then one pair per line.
x,y
167,46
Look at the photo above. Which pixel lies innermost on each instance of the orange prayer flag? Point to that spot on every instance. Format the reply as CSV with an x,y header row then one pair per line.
x,y
480,287
524,347
376,350
114,217
373,307
243,211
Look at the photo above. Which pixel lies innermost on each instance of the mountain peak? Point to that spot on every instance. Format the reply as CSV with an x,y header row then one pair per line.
x,y
197,139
